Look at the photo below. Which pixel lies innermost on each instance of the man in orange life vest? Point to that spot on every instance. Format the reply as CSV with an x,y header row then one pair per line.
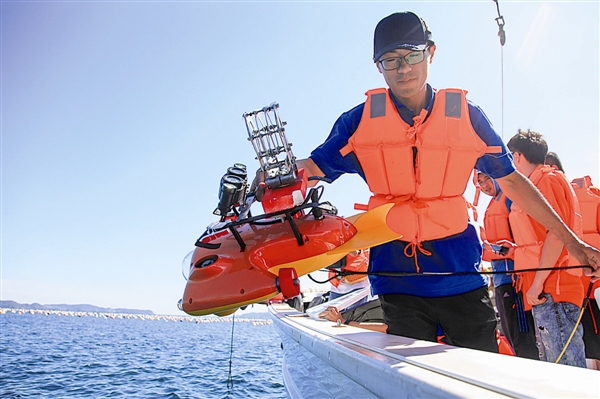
x,y
517,324
416,147
356,261
554,296
589,204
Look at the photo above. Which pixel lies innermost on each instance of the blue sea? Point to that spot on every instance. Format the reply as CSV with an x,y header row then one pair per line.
x,y
52,356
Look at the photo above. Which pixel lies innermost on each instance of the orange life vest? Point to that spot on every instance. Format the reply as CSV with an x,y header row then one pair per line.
x,y
423,169
589,203
355,262
529,246
495,220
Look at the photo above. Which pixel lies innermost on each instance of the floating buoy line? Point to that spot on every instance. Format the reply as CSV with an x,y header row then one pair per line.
x,y
132,316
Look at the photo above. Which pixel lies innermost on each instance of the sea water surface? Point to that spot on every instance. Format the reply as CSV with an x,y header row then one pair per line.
x,y
52,356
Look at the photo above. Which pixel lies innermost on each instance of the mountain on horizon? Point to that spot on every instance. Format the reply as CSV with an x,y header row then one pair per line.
x,y
70,308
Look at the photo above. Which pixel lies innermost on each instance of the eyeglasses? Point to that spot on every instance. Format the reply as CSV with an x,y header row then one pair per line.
x,y
392,64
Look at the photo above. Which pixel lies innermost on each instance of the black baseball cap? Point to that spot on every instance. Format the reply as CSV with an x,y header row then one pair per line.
x,y
401,30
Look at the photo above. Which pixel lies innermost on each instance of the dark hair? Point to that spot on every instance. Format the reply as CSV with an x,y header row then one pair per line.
x,y
553,160
531,144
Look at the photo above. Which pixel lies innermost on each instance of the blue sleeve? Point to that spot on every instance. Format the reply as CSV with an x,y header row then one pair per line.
x,y
493,165
327,156
508,203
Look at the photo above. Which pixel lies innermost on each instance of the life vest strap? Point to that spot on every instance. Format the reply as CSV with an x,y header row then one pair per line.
x,y
418,205
345,150
493,149
410,250
361,207
473,206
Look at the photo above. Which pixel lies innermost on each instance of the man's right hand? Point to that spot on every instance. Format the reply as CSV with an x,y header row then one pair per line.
x,y
258,185
510,253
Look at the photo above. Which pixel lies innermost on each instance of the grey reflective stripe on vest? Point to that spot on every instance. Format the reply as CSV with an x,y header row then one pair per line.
x,y
378,105
453,104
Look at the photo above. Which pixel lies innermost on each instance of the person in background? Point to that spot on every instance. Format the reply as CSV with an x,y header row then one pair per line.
x,y
415,146
553,160
366,310
589,204
355,261
517,324
554,296
332,313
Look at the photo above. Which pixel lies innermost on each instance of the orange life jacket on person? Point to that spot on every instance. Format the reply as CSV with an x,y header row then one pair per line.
x,y
589,203
495,227
423,169
355,262
495,220
529,246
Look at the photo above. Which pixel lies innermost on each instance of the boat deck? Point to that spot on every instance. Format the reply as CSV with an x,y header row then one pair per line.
x,y
323,360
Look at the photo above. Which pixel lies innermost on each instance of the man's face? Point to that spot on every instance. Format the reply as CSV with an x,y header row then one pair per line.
x,y
486,184
408,82
518,159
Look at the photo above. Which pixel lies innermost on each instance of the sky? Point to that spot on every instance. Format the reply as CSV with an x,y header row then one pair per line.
x,y
118,119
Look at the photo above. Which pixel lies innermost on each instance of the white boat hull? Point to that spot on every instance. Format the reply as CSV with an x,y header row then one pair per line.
x,y
322,360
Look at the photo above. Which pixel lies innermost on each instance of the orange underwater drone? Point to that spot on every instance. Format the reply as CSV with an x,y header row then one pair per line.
x,y
244,259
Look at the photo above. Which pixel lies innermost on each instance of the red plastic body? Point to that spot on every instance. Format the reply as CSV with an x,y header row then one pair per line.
x,y
286,197
289,285
236,278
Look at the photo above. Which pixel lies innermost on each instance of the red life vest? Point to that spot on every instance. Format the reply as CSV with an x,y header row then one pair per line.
x,y
529,245
589,203
423,169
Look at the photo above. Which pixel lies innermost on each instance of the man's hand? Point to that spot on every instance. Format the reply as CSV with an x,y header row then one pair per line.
x,y
534,294
310,168
587,256
258,185
594,274
511,248
332,314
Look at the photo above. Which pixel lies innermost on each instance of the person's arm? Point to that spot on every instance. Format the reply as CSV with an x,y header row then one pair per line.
x,y
333,314
309,166
550,253
523,193
311,169
379,327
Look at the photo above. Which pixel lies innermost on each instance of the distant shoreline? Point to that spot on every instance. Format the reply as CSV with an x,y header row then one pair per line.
x,y
95,311
71,308
128,316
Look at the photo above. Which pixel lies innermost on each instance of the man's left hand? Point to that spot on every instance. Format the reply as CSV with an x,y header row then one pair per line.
x,y
332,314
534,294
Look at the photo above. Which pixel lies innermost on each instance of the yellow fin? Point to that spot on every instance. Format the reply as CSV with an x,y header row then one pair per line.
x,y
309,265
371,230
